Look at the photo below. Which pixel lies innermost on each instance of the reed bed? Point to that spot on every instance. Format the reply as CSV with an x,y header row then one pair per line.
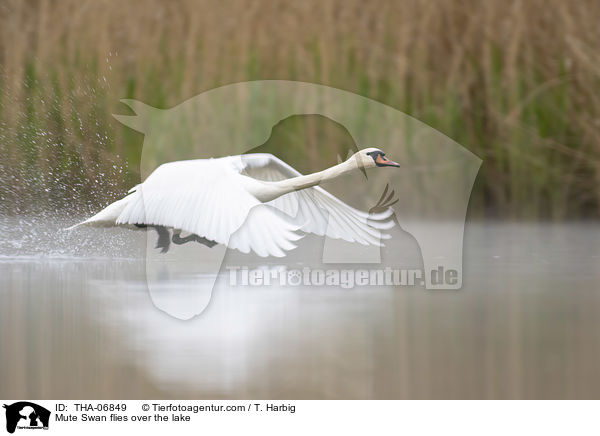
x,y
515,81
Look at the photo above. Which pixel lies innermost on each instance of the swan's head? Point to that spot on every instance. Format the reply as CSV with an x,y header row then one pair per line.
x,y
373,157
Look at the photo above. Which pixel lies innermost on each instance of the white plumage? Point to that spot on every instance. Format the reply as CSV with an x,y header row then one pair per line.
x,y
253,202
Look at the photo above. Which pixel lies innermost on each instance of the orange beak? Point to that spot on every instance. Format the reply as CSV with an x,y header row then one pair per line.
x,y
384,161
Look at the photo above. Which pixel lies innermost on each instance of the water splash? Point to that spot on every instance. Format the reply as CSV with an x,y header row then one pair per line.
x,y
43,236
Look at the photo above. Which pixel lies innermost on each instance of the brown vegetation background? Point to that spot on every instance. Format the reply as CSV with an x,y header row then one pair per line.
x,y
514,81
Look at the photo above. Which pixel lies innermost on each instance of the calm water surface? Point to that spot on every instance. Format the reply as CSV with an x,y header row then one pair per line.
x,y
76,321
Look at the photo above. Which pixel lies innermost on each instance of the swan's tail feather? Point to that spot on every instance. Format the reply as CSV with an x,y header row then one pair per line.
x,y
107,216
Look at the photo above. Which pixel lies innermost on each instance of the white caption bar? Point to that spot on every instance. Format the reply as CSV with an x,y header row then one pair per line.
x,y
299,417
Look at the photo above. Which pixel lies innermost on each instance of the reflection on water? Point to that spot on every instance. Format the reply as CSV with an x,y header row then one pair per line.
x,y
525,325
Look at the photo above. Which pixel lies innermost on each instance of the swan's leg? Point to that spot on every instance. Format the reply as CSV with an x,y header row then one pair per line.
x,y
177,239
163,241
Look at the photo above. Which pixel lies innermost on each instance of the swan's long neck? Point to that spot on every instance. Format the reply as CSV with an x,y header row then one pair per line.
x,y
272,190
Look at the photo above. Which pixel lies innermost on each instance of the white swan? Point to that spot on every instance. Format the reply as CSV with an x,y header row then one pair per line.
x,y
251,202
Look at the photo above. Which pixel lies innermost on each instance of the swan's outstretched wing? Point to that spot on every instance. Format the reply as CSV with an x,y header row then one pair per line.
x,y
205,197
316,210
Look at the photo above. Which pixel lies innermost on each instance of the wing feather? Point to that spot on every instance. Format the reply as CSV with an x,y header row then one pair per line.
x,y
205,197
315,209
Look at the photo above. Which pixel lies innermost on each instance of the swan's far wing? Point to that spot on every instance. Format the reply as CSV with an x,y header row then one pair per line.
x,y
205,197
316,210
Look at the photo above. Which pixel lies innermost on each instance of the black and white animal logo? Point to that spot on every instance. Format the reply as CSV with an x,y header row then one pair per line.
x,y
26,415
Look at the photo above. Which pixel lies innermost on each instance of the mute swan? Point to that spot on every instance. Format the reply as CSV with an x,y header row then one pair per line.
x,y
251,202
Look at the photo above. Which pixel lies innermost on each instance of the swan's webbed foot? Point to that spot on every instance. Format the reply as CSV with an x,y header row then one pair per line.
x,y
164,240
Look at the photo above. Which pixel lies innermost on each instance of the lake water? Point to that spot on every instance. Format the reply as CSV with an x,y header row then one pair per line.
x,y
77,322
